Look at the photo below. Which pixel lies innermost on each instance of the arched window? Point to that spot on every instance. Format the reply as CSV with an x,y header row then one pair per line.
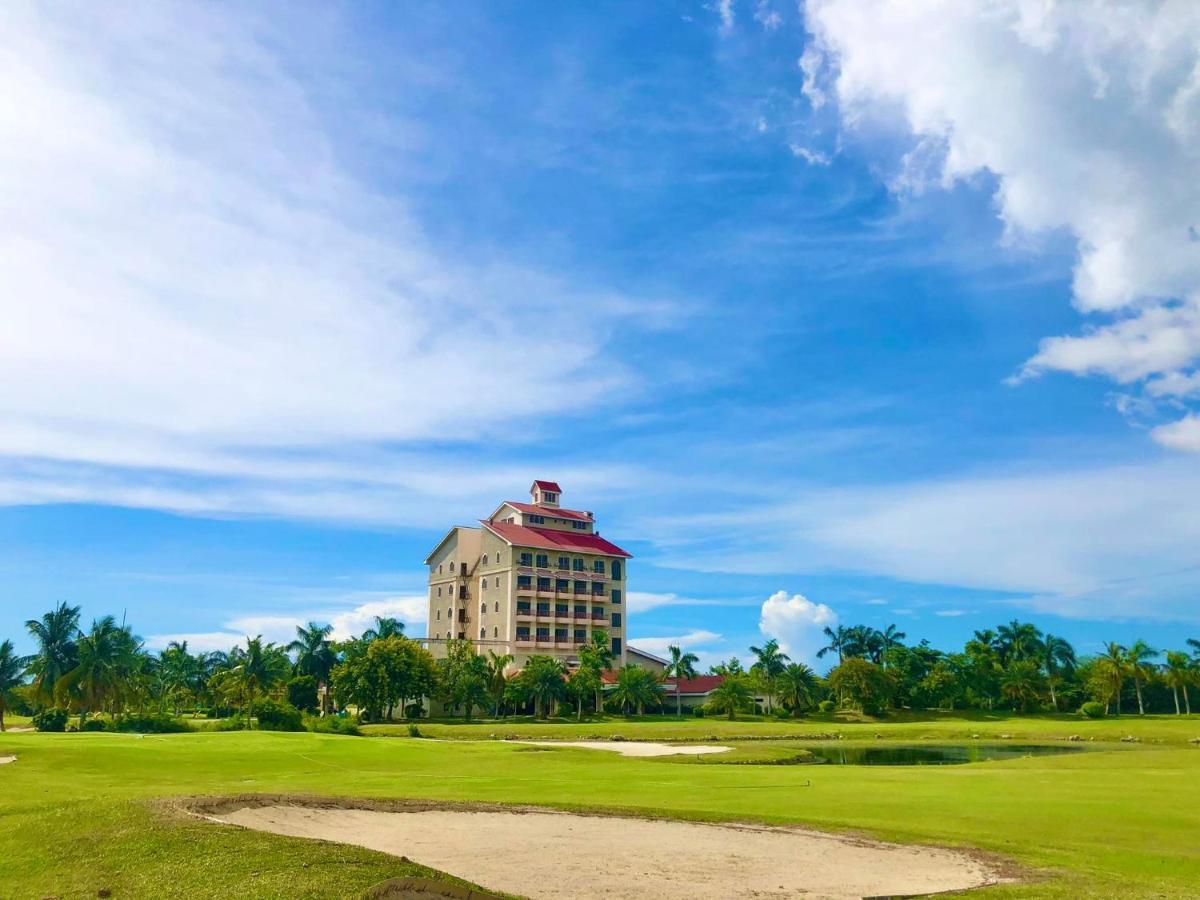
x,y
495,631
482,608
497,606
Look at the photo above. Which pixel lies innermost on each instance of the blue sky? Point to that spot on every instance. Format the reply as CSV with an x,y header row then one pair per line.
x,y
894,311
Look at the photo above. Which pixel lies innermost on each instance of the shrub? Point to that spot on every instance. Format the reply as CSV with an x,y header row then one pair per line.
x,y
414,731
780,713
826,706
274,715
150,724
92,725
331,725
302,693
698,712
53,719
414,711
1093,709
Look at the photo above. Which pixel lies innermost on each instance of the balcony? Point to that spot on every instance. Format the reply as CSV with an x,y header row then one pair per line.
x,y
524,610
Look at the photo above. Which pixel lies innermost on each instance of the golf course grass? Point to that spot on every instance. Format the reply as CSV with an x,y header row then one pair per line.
x,y
79,813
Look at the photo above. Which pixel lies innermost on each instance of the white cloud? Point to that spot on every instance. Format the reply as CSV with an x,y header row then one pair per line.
x,y
197,287
1181,435
797,623
950,613
812,157
767,17
876,601
281,629
1087,114
691,641
726,15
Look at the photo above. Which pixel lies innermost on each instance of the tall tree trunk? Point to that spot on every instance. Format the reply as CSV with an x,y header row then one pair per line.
x,y
678,703
1187,703
1137,687
579,708
1053,699
1175,694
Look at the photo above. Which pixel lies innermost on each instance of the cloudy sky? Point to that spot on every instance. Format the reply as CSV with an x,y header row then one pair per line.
x,y
857,311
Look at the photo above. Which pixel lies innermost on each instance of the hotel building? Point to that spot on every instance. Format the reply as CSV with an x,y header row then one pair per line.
x,y
532,578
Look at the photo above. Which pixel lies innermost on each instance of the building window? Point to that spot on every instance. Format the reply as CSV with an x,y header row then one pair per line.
x,y
579,526
564,562
462,635
537,520
616,646
527,559
497,582
438,636
482,633
439,568
524,581
485,556
483,584
581,587
495,632
523,633
597,612
580,636
482,608
598,566
543,561
543,634
562,584
577,565
560,635
616,620
543,584
597,590
497,606
550,497
616,569
449,613
439,615
616,595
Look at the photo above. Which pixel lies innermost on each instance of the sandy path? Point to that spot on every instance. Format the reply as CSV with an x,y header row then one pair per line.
x,y
559,855
631,748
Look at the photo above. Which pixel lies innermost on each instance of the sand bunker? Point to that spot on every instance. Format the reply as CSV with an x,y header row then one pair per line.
x,y
560,855
640,748
7,759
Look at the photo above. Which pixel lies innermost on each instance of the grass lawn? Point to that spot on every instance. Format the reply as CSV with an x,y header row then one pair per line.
x,y
1120,821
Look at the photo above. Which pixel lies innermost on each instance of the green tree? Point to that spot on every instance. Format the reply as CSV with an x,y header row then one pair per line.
x,y
890,637
769,664
582,685
105,657
55,633
731,695
497,680
543,680
1178,672
385,627
731,666
636,688
315,656
12,674
1058,656
462,677
256,672
682,667
796,685
1022,683
1108,675
840,640
378,675
1018,640
1139,667
864,684
596,656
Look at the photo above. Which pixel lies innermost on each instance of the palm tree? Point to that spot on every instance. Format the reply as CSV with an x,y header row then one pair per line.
x,y
496,679
597,656
1195,645
385,627
1057,655
254,673
542,680
890,637
730,695
839,640
315,655
1018,640
1021,683
179,672
1178,673
12,674
1112,669
681,667
796,685
635,687
770,663
1136,663
57,654
104,659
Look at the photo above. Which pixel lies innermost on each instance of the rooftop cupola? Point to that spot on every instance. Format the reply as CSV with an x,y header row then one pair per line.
x,y
545,493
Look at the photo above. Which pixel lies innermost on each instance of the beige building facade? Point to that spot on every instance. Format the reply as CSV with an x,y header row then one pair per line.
x,y
532,578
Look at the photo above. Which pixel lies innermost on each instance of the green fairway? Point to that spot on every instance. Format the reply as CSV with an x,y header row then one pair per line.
x,y
1120,820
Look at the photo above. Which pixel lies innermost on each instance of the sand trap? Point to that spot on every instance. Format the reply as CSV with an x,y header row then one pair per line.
x,y
631,748
4,760
560,855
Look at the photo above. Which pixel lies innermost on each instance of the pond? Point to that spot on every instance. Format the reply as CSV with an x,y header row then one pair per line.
x,y
935,755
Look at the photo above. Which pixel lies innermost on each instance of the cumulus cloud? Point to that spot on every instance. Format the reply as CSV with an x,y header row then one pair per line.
x,y
1181,435
1087,115
281,629
797,623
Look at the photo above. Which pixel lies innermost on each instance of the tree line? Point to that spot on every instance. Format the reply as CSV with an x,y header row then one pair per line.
x,y
104,672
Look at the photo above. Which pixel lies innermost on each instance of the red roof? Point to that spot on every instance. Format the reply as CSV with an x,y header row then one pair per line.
x,y
536,510
526,536
548,486
701,684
